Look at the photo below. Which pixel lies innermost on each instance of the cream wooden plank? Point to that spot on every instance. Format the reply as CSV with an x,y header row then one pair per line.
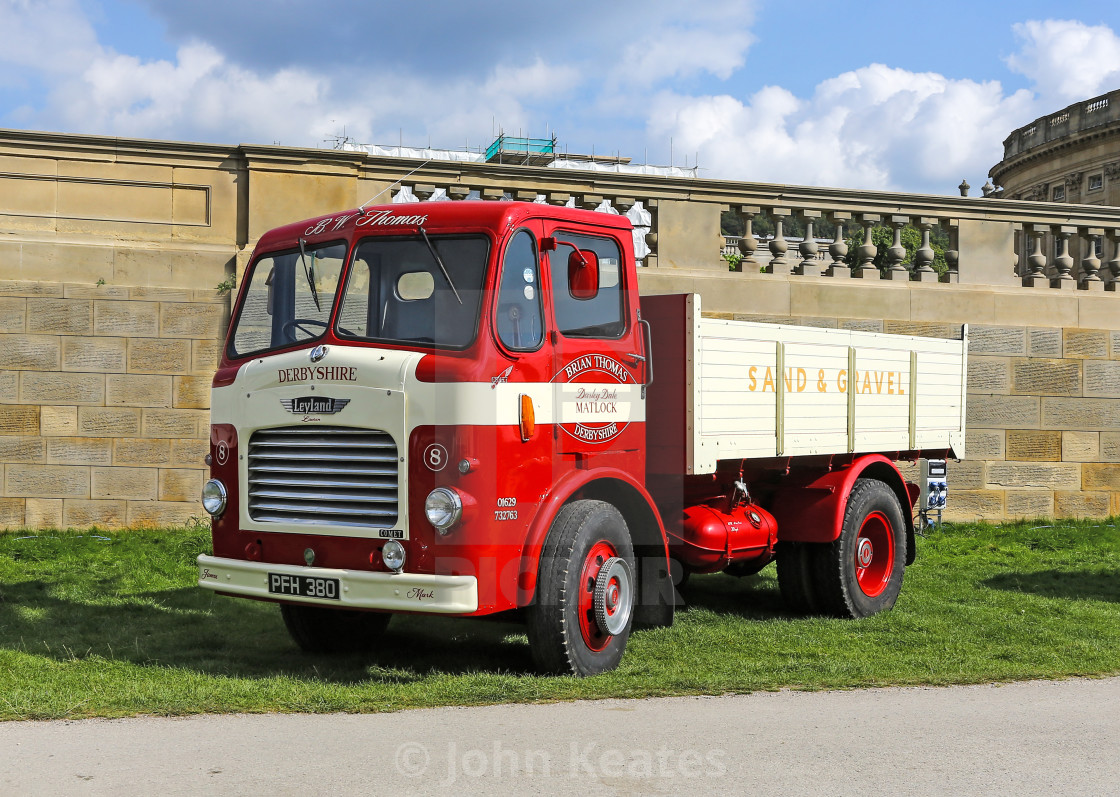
x,y
736,416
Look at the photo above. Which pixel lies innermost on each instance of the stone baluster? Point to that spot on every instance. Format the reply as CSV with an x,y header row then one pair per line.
x,y
1112,281
1064,280
1036,262
1090,263
778,246
423,192
458,192
623,204
748,244
953,271
923,257
952,254
493,194
838,249
809,265
525,196
897,252
866,269
590,201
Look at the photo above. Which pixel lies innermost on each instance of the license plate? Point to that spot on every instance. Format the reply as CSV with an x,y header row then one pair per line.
x,y
303,586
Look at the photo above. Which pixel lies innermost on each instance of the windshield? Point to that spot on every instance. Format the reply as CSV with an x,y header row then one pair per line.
x,y
289,298
398,291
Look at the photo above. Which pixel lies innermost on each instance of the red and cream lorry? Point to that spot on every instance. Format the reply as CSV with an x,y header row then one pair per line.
x,y
466,408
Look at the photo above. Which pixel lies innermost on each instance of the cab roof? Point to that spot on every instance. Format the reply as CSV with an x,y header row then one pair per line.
x,y
407,217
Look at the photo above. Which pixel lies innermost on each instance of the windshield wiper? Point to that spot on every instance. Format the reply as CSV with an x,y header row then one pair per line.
x,y
439,261
309,272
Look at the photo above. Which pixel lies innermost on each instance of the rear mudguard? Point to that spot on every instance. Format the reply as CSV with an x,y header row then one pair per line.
x,y
810,507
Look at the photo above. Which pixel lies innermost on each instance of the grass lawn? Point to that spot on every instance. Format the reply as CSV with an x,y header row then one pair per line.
x,y
111,624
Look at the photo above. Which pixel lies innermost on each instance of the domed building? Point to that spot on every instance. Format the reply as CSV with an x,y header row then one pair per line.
x,y
1072,155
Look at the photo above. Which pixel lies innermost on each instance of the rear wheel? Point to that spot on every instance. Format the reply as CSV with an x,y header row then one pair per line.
x,y
860,574
319,630
796,574
580,620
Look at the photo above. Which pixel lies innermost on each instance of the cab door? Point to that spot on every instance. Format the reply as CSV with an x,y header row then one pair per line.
x,y
598,354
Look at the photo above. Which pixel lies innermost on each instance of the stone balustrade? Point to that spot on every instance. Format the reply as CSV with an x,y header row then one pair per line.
x,y
1070,257
991,241
731,245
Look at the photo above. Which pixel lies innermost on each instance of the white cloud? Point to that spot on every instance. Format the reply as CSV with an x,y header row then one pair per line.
x,y
201,93
1067,60
277,88
658,38
872,127
681,53
198,95
536,80
50,37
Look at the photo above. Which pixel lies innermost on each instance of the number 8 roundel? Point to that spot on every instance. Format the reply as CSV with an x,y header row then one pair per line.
x,y
435,457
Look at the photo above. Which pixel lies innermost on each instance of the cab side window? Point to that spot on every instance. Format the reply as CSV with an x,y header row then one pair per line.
x,y
598,317
519,301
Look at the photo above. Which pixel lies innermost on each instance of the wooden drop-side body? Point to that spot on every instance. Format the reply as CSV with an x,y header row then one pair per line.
x,y
747,391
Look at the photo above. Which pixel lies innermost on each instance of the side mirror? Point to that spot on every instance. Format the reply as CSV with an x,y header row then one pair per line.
x,y
583,274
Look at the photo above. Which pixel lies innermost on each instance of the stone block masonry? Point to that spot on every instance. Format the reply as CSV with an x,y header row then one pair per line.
x,y
104,403
1043,414
104,388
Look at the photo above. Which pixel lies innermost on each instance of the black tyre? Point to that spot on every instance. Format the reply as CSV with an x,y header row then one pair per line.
x,y
860,574
796,574
320,630
580,619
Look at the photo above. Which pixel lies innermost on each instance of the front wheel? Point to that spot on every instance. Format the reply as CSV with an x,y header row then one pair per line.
x,y
320,630
860,574
580,620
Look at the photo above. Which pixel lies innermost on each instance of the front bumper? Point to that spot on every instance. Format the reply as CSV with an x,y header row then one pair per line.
x,y
401,592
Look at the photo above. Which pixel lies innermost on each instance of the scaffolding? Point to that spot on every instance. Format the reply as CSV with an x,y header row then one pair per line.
x,y
522,151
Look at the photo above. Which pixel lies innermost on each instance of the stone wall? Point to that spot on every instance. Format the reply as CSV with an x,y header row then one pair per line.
x,y
1043,405
104,402
1044,420
104,388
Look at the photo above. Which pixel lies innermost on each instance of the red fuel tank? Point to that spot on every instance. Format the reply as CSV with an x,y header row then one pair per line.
x,y
712,537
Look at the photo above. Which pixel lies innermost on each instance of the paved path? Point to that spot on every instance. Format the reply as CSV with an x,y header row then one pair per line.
x,y
1046,738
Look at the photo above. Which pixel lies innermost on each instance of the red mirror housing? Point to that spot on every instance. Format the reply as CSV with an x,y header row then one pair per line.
x,y
583,274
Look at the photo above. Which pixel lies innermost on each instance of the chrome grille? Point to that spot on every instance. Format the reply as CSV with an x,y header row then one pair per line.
x,y
326,475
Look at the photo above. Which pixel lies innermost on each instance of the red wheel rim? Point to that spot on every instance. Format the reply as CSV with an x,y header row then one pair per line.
x,y
593,636
874,554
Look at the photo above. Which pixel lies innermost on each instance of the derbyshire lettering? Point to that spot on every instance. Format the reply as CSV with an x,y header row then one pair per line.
x,y
322,373
595,434
762,380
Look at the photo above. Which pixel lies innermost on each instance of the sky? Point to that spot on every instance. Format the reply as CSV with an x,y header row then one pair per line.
x,y
891,95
